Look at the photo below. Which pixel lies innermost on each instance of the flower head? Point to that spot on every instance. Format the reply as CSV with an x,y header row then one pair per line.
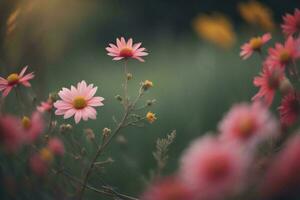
x,y
213,168
14,79
282,55
56,146
169,188
32,126
255,44
248,124
289,109
269,81
150,116
258,14
78,101
215,28
45,106
291,23
147,84
126,50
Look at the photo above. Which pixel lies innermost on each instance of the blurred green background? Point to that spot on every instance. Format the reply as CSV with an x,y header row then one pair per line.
x,y
195,81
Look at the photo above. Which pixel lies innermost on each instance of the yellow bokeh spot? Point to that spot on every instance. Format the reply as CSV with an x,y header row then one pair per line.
x,y
26,123
46,155
150,116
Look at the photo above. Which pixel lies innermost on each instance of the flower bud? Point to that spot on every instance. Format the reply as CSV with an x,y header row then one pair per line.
x,y
106,132
65,128
150,116
119,98
129,76
90,135
150,102
147,84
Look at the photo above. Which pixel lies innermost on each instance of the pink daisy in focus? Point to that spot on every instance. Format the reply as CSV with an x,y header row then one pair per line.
x,y
269,81
169,188
213,169
32,126
255,44
11,133
126,50
56,146
291,23
14,79
282,55
248,124
282,180
78,102
289,109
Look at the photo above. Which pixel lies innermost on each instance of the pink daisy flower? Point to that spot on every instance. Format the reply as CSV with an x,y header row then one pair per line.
x,y
14,79
169,188
78,102
126,50
248,124
56,146
45,106
255,44
213,169
283,177
268,81
282,55
33,126
290,109
11,133
291,23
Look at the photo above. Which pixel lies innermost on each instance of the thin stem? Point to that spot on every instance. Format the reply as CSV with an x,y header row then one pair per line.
x,y
126,98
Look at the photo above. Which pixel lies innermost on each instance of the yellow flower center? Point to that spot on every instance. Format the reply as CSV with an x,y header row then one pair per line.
x,y
256,43
284,56
246,126
150,117
13,79
26,123
46,155
126,52
79,102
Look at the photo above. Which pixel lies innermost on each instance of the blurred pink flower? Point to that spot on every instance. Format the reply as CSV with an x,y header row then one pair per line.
x,y
33,126
248,124
268,81
79,102
6,85
126,50
45,106
169,188
56,146
255,44
37,165
213,169
11,133
283,177
291,23
282,55
289,109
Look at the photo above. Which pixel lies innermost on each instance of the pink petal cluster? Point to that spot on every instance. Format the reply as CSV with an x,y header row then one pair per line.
x,y
56,146
255,44
78,102
289,109
126,50
269,81
213,169
169,188
6,85
248,124
291,23
283,178
33,126
45,106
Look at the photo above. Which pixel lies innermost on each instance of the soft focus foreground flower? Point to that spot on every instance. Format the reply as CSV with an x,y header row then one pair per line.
x,y
255,44
150,116
56,146
213,169
256,13
291,23
268,81
282,55
14,79
79,102
282,180
169,188
289,109
248,124
32,126
11,133
37,165
215,28
126,50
